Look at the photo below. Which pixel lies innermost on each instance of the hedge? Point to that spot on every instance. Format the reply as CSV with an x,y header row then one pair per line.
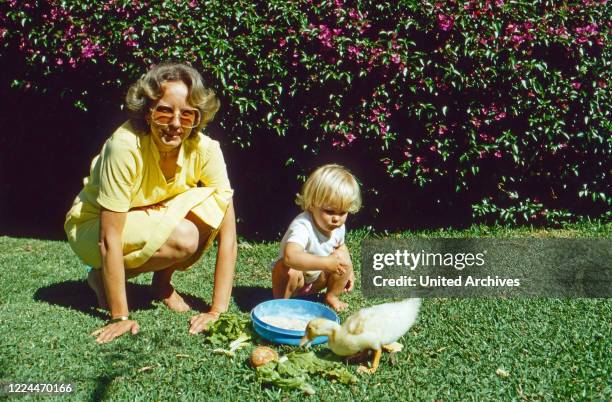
x,y
504,105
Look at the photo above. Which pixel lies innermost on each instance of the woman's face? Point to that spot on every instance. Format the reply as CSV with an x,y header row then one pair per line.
x,y
169,116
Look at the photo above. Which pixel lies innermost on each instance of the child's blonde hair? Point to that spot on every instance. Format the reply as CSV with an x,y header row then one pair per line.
x,y
330,185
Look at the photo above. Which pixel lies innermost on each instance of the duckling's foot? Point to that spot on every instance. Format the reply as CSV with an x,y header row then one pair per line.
x,y
393,347
366,370
335,303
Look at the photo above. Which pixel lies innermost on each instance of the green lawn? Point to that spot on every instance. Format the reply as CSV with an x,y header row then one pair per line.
x,y
551,349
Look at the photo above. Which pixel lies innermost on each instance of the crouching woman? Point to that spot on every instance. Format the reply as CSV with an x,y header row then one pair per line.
x,y
156,197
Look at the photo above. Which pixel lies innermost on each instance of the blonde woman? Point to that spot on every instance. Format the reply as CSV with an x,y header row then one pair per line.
x,y
313,255
156,197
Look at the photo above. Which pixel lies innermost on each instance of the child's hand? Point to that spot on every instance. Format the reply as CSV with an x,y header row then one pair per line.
x,y
334,264
350,284
344,256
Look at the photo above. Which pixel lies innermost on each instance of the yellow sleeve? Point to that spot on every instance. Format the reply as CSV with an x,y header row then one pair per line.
x,y
214,171
118,170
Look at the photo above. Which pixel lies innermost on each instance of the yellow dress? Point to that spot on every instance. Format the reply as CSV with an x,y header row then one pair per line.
x,y
126,177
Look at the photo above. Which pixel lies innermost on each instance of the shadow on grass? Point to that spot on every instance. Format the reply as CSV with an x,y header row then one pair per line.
x,y
102,387
247,297
77,295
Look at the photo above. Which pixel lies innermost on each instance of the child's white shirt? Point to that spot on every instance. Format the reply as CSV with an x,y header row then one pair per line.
x,y
304,232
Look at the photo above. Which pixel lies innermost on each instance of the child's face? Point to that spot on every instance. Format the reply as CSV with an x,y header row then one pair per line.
x,y
328,218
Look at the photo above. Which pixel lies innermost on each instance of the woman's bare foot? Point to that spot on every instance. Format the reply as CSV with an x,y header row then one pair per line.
x,y
94,280
175,302
335,303
164,291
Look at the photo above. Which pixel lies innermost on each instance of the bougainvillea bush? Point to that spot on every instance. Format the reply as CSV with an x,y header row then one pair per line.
x,y
504,105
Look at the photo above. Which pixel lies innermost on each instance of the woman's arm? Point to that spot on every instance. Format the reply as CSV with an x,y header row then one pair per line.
x,y
113,276
224,272
227,253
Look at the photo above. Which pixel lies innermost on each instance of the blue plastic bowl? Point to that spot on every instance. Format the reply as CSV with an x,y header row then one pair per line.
x,y
293,308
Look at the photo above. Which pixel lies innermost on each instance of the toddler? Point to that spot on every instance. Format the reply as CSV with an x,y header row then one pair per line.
x,y
313,255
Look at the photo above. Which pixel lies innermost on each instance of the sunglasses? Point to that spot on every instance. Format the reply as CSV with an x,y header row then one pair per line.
x,y
163,116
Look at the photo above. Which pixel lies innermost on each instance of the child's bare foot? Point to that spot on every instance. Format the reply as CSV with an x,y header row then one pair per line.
x,y
335,303
174,301
94,280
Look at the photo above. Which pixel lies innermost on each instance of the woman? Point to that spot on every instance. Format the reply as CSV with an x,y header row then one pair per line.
x,y
156,197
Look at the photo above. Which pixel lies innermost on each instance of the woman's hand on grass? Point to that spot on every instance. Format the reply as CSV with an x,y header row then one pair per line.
x,y
111,331
200,322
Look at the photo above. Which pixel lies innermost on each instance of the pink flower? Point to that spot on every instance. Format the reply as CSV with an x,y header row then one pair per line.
x,y
419,159
350,137
395,58
59,61
576,85
500,116
498,154
445,23
282,42
193,3
433,148
353,50
89,49
354,14
442,130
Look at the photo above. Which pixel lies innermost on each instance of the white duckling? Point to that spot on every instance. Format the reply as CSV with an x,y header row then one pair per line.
x,y
370,328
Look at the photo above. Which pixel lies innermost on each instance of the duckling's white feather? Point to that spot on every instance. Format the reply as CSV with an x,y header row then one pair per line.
x,y
372,327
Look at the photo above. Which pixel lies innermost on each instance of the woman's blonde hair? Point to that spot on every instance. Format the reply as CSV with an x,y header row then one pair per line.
x,y
145,93
330,186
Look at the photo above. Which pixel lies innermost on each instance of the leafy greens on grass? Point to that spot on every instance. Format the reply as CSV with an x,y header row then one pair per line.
x,y
228,328
293,371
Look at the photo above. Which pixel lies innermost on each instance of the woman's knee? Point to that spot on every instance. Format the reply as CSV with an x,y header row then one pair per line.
x,y
184,240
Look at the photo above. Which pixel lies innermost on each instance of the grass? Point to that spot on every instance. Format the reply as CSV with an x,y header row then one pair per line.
x,y
551,349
